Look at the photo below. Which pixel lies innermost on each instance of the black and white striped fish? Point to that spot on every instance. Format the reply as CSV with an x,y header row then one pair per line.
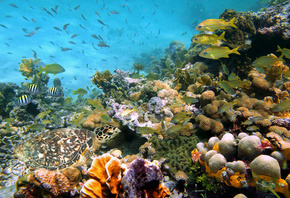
x,y
24,100
32,88
53,91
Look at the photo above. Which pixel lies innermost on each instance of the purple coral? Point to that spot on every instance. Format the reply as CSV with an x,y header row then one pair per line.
x,y
282,122
155,105
140,173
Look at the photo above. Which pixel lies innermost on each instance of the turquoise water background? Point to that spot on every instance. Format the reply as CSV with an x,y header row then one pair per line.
x,y
140,27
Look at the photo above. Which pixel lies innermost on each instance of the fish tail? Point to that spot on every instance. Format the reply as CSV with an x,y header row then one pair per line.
x,y
40,70
231,22
74,92
279,49
235,50
222,37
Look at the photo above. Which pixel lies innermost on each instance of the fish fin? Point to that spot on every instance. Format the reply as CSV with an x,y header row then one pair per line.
x,y
235,50
279,49
231,22
40,70
222,37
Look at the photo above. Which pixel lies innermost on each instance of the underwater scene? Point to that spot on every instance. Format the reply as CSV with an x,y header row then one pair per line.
x,y
145,99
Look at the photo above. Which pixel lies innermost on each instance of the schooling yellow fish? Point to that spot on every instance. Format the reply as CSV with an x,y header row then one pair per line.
x,y
209,39
215,24
285,52
80,91
216,52
51,68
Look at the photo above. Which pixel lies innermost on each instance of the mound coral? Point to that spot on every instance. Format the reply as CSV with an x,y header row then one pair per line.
x,y
254,169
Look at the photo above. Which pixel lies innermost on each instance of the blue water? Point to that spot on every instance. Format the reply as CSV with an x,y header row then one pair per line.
x,y
146,26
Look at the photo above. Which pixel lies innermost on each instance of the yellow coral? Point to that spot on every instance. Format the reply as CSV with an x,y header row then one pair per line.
x,y
101,79
27,67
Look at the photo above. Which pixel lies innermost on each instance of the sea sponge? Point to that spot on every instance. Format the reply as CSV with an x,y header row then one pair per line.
x,y
265,165
249,147
138,176
207,97
105,170
216,162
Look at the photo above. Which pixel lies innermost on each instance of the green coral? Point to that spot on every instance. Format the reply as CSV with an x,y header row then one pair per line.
x,y
176,152
102,79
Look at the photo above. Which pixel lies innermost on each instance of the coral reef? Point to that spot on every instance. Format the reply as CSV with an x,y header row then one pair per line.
x,y
110,176
43,182
253,168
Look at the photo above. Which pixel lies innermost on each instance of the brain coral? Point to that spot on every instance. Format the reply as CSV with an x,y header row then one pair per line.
x,y
176,152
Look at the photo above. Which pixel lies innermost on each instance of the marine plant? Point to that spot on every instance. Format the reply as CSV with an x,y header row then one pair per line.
x,y
137,67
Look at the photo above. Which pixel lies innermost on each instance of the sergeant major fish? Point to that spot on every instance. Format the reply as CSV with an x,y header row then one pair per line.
x,y
53,91
32,88
24,100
